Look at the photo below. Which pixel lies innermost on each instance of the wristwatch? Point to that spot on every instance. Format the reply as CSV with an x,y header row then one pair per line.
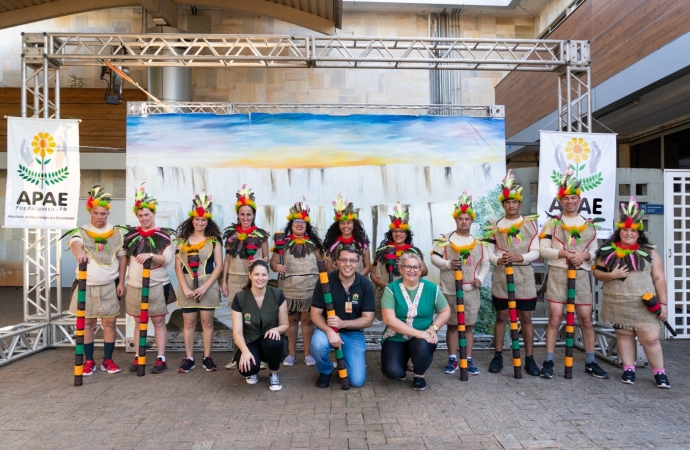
x,y
151,255
433,325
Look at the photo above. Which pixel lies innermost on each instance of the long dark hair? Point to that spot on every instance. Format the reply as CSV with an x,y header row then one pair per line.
x,y
388,237
311,231
616,237
255,264
186,229
334,231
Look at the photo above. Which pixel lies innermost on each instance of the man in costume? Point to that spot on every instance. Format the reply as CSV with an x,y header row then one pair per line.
x,y
99,244
353,300
147,241
513,239
460,250
569,238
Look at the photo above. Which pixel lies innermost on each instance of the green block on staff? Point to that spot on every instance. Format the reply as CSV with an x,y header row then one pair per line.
x,y
462,342
569,342
511,287
339,353
571,293
515,345
81,296
459,294
79,349
144,292
327,297
142,342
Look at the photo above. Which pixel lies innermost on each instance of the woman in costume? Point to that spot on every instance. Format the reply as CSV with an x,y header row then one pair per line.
x,y
200,263
396,241
301,251
630,267
259,319
408,307
346,229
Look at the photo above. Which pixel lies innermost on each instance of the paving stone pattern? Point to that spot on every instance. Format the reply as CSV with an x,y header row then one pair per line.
x,y
40,408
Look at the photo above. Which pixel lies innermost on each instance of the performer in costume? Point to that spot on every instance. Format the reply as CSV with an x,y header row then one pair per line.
x,y
461,250
149,242
396,241
346,230
353,300
99,245
244,243
300,253
630,267
513,239
409,305
198,266
566,239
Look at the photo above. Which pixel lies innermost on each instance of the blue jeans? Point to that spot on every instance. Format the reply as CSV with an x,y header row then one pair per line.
x,y
353,350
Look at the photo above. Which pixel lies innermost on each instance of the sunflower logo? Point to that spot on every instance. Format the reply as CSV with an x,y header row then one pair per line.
x,y
43,144
577,150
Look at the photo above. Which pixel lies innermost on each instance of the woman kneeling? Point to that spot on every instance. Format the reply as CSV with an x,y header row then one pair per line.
x,y
259,321
408,307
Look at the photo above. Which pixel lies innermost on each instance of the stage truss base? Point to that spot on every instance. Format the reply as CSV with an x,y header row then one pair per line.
x,y
21,340
175,343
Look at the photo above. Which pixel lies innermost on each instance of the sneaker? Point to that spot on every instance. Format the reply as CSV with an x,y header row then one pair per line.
x,y
377,322
263,365
496,364
596,371
452,366
309,360
628,377
531,366
662,381
274,382
135,365
252,379
324,380
546,370
289,361
471,368
160,366
89,368
232,365
110,366
208,364
419,384
187,365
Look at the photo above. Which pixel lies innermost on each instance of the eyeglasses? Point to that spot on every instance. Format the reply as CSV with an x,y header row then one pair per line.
x,y
344,261
412,268
398,231
299,222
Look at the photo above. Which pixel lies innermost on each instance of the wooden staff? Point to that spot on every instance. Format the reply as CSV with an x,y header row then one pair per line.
x,y
279,241
570,322
144,317
391,257
462,337
330,312
652,303
81,320
252,247
193,261
512,311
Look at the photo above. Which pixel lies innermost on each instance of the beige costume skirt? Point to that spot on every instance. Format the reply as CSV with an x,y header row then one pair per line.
x,y
557,286
210,300
157,301
101,301
471,301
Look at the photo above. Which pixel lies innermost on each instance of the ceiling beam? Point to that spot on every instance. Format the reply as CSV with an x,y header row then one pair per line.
x,y
57,8
162,9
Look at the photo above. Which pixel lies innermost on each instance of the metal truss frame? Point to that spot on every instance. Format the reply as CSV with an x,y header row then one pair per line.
x,y
44,53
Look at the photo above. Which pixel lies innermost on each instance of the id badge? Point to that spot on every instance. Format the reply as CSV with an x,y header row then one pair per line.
x,y
348,307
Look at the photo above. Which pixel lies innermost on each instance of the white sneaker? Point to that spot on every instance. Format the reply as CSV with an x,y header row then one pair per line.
x,y
289,361
263,365
232,365
310,361
274,382
252,379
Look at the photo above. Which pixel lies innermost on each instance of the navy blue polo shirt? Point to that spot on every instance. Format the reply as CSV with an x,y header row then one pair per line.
x,y
360,293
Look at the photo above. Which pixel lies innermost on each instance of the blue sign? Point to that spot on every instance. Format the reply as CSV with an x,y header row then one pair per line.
x,y
653,209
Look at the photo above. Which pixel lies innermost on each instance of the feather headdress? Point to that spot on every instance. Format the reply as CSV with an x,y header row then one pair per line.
x,y
631,216
245,197
201,206
464,206
344,209
144,201
510,189
98,198
568,185
400,219
300,210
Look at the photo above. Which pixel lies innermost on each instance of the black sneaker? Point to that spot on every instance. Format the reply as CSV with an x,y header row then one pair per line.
x,y
628,377
596,371
208,364
662,381
324,380
419,384
531,366
160,366
187,365
496,364
546,370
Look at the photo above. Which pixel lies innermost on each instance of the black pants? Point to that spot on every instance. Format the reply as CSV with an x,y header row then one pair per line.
x,y
269,350
394,356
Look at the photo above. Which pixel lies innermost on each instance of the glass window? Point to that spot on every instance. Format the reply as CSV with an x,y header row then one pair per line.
x,y
677,150
646,155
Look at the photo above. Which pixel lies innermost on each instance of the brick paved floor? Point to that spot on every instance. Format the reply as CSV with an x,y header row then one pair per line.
x,y
39,408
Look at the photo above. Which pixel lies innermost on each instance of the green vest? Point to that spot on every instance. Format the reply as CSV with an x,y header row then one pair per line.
x,y
258,321
425,309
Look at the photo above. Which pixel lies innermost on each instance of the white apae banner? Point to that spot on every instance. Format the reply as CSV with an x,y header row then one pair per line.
x,y
592,156
42,173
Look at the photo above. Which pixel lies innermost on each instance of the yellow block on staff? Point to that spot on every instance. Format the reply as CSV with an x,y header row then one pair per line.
x,y
342,373
79,332
517,362
458,275
81,275
570,308
568,361
509,271
463,364
78,370
460,308
323,277
461,327
572,274
513,326
330,313
570,328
